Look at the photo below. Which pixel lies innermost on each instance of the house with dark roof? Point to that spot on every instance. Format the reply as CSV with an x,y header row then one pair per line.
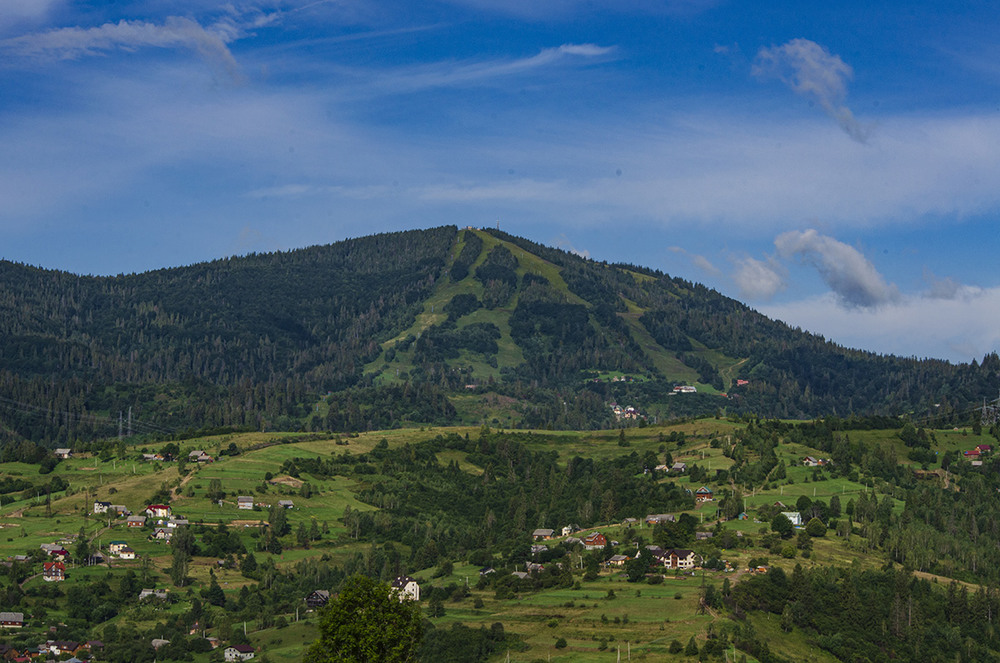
x,y
238,653
406,587
703,494
317,599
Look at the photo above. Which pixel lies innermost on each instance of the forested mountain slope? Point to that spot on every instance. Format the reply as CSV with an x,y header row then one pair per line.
x,y
413,327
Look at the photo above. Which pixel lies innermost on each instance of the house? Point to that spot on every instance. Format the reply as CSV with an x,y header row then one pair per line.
x,y
532,567
126,553
657,518
136,521
628,522
780,505
244,502
59,554
538,548
63,454
177,522
162,534
703,494
661,468
701,536
317,599
116,546
53,571
741,382
199,456
618,560
811,461
155,593
286,504
569,529
158,511
101,507
120,510
486,570
595,541
57,647
519,574
156,643
679,467
542,534
678,559
685,389
238,653
572,541
406,587
794,516
984,448
11,619
49,547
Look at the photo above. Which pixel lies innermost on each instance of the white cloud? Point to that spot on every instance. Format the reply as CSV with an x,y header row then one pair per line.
x,y
812,71
911,326
76,42
452,74
848,273
758,279
705,265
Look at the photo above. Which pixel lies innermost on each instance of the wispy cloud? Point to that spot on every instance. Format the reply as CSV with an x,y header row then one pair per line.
x,y
849,274
175,32
810,70
450,74
759,279
699,261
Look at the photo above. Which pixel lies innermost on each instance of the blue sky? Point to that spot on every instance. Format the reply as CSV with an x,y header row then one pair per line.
x,y
834,165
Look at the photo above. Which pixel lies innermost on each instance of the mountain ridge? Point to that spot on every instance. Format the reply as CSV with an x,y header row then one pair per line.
x,y
264,341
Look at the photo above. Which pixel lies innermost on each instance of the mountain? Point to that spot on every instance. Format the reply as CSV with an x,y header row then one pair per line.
x,y
432,326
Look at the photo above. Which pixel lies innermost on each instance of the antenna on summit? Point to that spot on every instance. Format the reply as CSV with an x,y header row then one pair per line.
x,y
498,224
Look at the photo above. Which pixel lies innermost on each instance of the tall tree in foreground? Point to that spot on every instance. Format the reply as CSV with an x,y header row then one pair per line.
x,y
367,622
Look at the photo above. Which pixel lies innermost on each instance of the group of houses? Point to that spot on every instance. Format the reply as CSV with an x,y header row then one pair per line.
x,y
628,413
673,558
246,503
64,650
976,455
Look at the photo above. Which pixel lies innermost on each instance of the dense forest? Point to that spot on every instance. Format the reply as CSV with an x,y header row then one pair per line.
x,y
256,342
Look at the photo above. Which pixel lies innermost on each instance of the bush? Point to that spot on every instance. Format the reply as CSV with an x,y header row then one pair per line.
x,y
561,643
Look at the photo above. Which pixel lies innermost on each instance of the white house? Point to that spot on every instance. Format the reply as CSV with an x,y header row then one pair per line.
x,y
406,587
238,653
794,516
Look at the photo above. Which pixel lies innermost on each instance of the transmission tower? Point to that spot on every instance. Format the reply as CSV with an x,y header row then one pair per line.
x,y
991,412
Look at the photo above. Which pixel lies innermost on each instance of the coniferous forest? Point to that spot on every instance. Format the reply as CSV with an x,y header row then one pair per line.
x,y
392,329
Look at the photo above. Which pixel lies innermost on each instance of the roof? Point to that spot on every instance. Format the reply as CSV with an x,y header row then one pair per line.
x,y
11,616
243,649
402,581
703,490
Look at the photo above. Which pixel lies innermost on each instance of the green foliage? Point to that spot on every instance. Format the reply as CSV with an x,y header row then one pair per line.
x,y
367,622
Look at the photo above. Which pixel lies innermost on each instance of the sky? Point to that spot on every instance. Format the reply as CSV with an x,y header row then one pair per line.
x,y
833,165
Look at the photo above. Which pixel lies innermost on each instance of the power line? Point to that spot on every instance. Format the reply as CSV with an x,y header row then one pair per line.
x,y
92,419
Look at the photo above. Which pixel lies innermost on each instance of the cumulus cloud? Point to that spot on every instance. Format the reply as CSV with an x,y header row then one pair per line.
x,y
759,279
76,42
810,70
849,274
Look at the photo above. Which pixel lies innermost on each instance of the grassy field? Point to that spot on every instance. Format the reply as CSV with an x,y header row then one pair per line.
x,y
595,619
